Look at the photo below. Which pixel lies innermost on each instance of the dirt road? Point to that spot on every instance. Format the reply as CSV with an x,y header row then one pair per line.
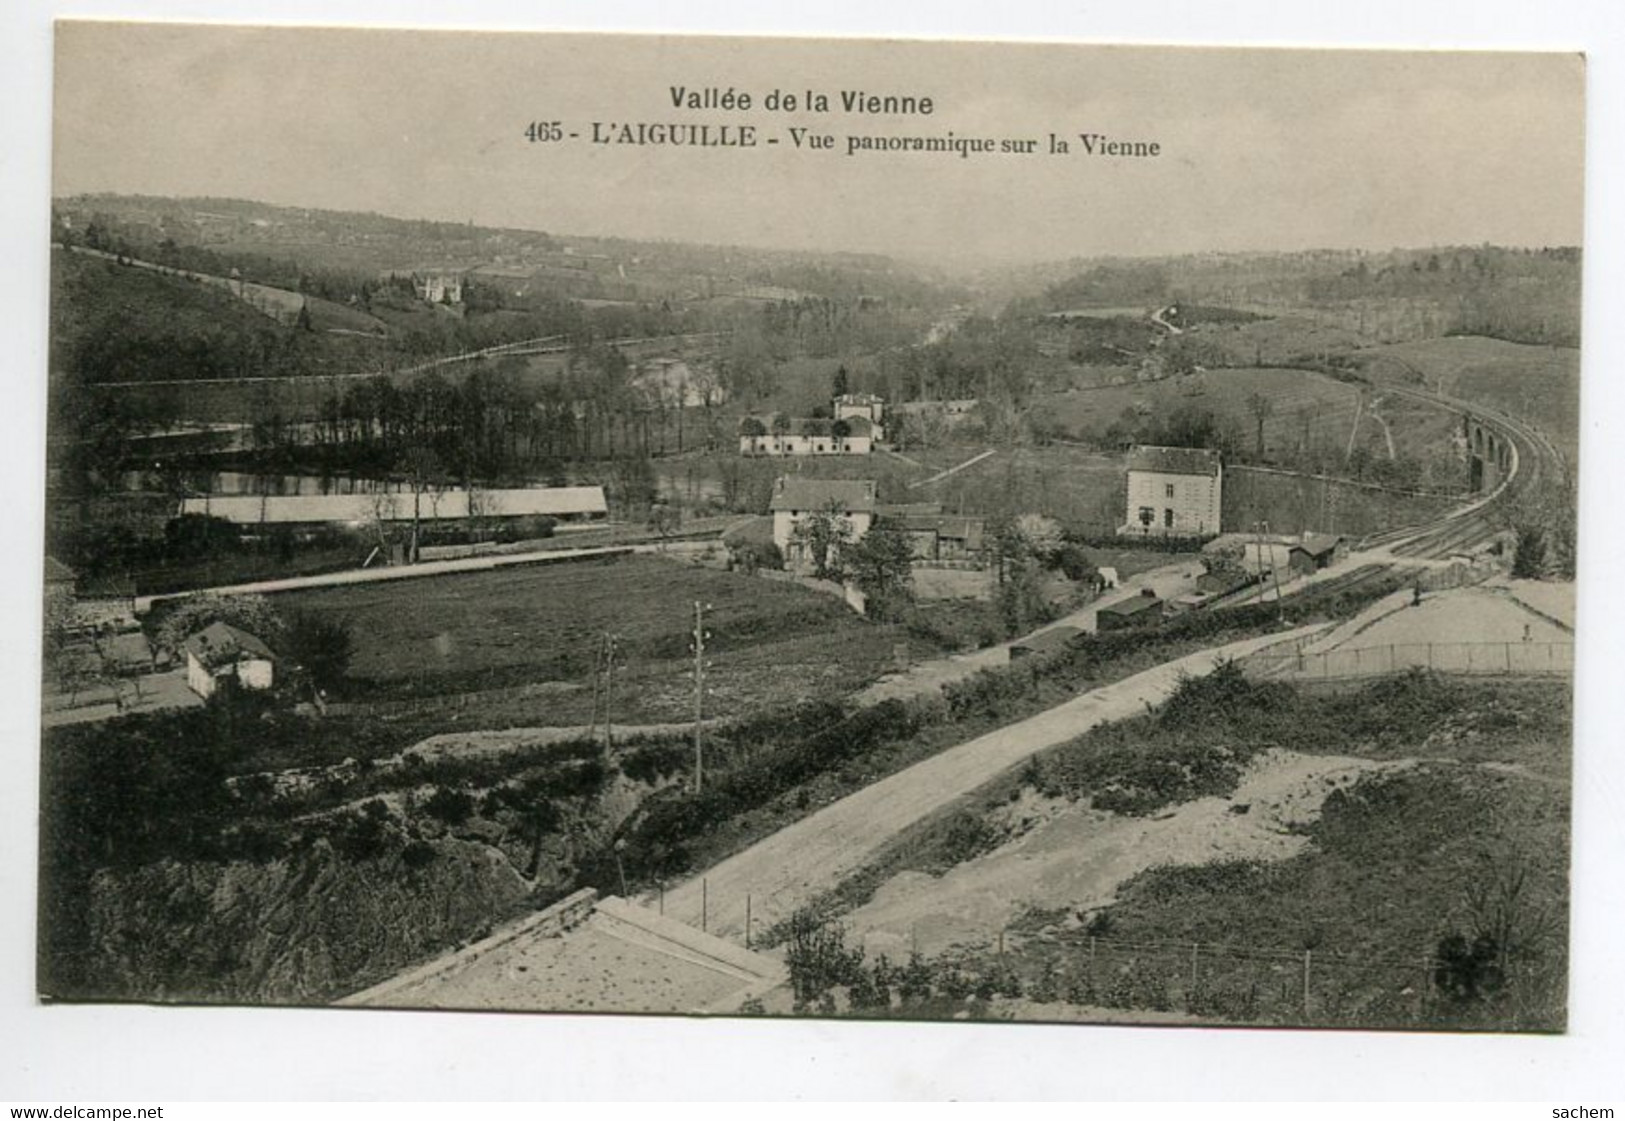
x,y
802,861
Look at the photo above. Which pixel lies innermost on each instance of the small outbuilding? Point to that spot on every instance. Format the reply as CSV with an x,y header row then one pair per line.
x,y
1044,642
1317,551
221,650
1144,608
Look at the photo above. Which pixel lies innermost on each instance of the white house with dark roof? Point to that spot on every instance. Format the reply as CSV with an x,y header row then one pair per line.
x,y
1173,492
796,498
806,436
221,650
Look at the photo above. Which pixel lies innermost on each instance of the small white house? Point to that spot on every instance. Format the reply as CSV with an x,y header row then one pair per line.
x,y
221,650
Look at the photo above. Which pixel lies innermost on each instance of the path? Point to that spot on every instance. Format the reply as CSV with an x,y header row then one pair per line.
x,y
1159,317
143,604
804,860
956,469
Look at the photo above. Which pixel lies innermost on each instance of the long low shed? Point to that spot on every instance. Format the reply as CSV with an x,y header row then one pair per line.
x,y
579,503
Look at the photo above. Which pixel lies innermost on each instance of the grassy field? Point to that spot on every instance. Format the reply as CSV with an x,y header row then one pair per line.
x,y
769,641
1297,398
1540,383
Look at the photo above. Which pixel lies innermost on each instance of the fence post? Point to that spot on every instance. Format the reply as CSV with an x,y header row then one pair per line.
x,y
705,903
1506,648
747,920
1195,949
1430,655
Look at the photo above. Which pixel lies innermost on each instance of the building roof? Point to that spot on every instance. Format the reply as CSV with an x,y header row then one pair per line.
x,y
220,644
1133,605
1318,544
1053,639
909,509
792,492
814,426
1174,461
287,509
1222,583
969,529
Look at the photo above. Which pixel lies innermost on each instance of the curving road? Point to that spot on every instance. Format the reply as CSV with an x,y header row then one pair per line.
x,y
810,857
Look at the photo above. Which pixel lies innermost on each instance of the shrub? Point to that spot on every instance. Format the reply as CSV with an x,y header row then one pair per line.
x,y
454,807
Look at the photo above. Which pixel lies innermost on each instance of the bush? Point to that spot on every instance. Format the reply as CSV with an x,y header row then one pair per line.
x,y
321,647
454,807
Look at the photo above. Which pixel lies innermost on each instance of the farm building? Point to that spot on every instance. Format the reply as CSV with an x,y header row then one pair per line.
x,y
806,436
1044,642
1222,582
1143,608
1173,492
795,499
562,503
935,536
221,650
1317,551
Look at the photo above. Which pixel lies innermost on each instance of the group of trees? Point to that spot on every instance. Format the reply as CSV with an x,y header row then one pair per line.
x,y
1025,549
880,563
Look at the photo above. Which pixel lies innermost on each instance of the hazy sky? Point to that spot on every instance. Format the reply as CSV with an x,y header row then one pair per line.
x,y
1260,149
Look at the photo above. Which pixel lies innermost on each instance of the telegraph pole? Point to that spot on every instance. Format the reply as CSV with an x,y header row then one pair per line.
x,y
611,646
699,695
1280,608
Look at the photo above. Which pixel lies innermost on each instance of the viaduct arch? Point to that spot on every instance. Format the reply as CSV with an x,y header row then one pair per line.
x,y
1489,455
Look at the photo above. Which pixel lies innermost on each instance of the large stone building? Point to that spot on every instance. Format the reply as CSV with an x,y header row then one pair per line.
x,y
795,499
1173,492
863,406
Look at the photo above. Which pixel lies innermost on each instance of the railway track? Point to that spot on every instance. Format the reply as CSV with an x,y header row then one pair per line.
x,y
1533,460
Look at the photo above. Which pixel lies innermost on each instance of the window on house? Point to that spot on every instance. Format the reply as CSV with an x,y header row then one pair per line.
x,y
1147,515
1168,519
1168,490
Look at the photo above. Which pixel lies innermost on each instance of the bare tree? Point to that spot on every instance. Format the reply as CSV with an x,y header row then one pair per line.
x,y
1261,408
